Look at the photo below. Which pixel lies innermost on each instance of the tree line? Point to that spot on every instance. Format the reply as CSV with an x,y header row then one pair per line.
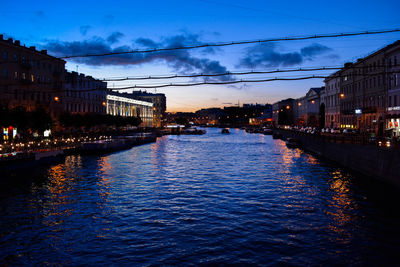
x,y
40,120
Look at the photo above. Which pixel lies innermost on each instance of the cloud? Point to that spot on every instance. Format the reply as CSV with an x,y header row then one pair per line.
x,y
266,55
84,29
180,60
114,37
314,50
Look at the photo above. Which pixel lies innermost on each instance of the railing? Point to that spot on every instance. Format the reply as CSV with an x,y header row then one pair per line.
x,y
389,143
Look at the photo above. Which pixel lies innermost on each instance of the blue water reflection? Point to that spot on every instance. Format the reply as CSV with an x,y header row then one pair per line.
x,y
213,199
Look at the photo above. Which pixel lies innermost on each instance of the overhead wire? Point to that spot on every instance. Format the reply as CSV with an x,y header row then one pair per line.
x,y
216,74
163,85
294,38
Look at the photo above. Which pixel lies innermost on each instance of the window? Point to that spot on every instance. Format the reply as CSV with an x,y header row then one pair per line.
x,y
5,55
15,75
5,72
32,78
390,101
23,75
395,100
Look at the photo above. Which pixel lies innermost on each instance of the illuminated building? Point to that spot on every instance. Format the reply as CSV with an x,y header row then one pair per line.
x,y
159,105
126,105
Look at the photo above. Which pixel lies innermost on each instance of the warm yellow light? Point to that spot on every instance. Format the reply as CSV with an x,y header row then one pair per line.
x,y
313,101
287,107
341,95
104,103
299,104
56,98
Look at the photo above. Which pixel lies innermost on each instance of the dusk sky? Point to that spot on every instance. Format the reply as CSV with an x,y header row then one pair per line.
x,y
80,27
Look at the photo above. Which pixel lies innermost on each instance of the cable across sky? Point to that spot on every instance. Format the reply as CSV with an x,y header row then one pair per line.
x,y
293,38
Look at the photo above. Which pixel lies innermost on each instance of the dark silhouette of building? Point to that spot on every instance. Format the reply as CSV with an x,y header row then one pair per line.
x,y
30,78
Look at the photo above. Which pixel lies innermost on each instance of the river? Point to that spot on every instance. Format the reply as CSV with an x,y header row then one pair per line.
x,y
213,199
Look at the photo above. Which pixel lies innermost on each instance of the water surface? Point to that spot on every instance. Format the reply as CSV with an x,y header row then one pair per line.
x,y
192,200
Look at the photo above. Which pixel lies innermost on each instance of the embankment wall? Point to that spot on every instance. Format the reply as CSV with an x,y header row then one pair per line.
x,y
377,162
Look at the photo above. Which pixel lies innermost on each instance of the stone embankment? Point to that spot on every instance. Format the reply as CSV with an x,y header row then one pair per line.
x,y
378,162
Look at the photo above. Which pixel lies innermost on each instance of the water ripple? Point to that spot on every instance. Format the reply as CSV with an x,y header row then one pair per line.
x,y
241,199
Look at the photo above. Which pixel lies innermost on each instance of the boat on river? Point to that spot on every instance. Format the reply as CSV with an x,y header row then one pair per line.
x,y
193,131
225,131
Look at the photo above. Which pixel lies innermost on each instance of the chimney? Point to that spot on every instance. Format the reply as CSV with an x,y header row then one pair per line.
x,y
1,37
348,64
44,52
17,42
32,48
10,40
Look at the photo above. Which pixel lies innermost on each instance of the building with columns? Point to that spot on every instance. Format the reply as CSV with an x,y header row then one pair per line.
x,y
126,105
159,105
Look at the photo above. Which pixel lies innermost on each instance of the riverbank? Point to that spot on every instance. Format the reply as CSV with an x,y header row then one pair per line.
x,y
377,162
31,155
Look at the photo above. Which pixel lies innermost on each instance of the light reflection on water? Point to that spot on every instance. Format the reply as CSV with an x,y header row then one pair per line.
x,y
214,199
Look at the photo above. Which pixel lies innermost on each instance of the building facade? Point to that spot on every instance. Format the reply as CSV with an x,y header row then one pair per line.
x,y
30,78
283,112
393,103
159,105
83,94
331,98
126,105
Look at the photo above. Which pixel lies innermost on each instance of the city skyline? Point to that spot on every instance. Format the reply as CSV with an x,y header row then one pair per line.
x,y
77,28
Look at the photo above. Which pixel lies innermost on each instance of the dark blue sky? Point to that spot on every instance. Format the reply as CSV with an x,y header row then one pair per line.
x,y
103,26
